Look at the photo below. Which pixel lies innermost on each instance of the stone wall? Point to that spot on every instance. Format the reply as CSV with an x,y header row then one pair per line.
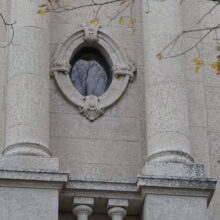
x,y
111,147
204,96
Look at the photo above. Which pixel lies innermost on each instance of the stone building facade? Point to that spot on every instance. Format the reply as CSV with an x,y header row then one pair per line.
x,y
147,147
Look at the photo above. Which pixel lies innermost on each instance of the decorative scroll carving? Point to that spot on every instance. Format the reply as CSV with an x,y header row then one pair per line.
x,y
123,71
91,33
60,67
128,70
91,108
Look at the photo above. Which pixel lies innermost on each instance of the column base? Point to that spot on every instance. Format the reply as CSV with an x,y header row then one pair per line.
x,y
28,162
173,169
171,156
27,149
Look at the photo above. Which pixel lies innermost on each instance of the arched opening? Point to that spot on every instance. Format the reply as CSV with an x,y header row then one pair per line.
x,y
90,73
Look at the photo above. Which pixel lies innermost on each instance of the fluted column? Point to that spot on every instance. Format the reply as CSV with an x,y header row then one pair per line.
x,y
82,212
166,98
117,213
27,121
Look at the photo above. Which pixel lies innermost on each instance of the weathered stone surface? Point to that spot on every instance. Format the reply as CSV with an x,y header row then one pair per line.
x,y
31,203
105,157
200,147
171,207
30,193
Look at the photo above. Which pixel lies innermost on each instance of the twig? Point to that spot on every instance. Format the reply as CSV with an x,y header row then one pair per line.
x,y
209,29
208,12
11,25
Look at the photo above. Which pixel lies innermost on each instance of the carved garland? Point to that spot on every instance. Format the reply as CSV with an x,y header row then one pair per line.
x,y
123,71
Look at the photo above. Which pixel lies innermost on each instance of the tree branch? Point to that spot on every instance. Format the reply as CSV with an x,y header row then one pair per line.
x,y
11,25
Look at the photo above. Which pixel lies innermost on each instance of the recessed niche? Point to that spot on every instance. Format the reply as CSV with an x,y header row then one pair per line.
x,y
90,73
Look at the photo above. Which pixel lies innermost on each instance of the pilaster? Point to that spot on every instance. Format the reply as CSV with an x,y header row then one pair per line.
x,y
27,115
180,187
166,98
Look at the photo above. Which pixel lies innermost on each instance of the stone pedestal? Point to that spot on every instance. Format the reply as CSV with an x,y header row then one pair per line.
x,y
30,194
169,207
174,198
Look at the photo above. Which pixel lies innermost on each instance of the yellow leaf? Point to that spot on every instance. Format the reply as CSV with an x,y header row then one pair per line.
x,y
159,56
42,11
214,65
197,68
121,20
218,48
94,20
197,61
131,21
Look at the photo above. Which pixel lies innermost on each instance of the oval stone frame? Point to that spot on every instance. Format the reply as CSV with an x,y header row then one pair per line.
x,y
123,71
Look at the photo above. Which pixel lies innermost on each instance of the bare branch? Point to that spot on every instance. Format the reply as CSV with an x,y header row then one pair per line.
x,y
173,42
208,12
11,25
62,8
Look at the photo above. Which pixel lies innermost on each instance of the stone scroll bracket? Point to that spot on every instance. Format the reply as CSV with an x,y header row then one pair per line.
x,y
60,67
123,71
91,33
126,70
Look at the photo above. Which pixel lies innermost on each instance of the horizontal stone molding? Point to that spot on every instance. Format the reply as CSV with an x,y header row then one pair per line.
x,y
33,178
124,193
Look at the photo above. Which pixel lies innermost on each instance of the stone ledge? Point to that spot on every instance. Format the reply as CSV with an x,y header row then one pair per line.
x,y
46,179
144,181
101,185
102,191
204,187
176,182
135,192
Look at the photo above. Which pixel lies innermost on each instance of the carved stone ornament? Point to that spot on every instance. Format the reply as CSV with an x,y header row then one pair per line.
x,y
123,71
